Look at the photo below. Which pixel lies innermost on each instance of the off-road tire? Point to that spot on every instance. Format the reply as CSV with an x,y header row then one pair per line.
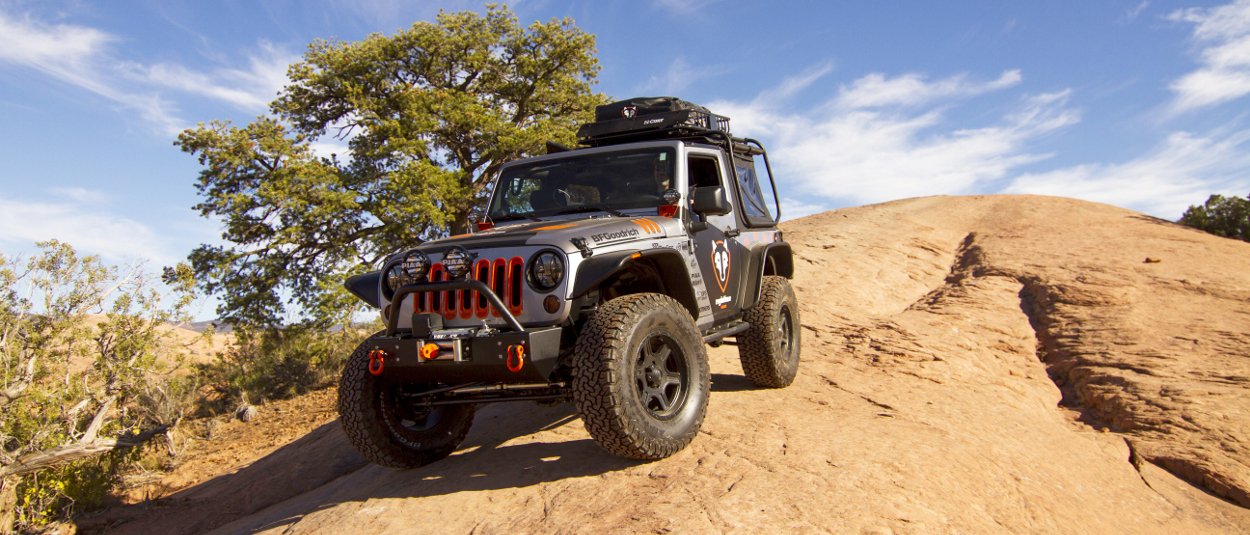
x,y
624,378
770,349
371,419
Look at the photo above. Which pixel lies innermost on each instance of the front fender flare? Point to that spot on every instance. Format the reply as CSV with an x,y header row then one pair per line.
x,y
365,287
669,263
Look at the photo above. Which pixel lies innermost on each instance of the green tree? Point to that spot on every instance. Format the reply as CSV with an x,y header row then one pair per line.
x,y
1223,216
429,115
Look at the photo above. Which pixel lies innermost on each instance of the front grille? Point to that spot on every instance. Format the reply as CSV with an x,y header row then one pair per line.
x,y
503,276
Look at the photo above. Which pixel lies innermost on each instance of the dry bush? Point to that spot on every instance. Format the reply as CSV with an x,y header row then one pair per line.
x,y
75,394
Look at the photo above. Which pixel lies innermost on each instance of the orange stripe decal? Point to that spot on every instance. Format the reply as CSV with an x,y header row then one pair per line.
x,y
647,225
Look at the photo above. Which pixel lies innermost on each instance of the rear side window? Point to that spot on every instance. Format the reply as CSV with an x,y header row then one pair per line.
x,y
753,205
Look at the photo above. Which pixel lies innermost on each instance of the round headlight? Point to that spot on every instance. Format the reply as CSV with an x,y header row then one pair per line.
x,y
415,265
547,270
395,277
457,261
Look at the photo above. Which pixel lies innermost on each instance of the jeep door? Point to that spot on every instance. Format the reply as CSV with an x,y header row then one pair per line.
x,y
721,258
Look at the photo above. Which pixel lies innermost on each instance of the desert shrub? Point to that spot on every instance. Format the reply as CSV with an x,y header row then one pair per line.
x,y
276,364
85,354
1223,216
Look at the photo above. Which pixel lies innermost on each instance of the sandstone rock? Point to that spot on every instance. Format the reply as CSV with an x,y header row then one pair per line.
x,y
962,356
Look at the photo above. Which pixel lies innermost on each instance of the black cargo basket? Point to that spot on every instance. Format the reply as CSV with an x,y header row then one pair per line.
x,y
644,118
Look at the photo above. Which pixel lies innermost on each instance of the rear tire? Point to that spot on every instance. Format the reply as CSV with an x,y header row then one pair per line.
x,y
391,429
770,349
642,376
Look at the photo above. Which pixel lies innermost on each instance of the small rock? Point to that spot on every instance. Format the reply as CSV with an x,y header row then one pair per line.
x,y
1152,260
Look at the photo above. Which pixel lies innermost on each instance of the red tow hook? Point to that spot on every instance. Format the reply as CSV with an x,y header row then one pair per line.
x,y
517,352
375,357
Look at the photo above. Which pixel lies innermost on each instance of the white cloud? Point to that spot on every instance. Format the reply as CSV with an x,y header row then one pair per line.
x,y
250,89
875,90
326,149
1183,170
1133,13
62,50
685,7
792,85
865,156
82,195
792,209
1225,71
114,238
81,56
679,75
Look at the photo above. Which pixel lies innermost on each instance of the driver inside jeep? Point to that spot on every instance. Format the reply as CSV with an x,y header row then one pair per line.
x,y
609,181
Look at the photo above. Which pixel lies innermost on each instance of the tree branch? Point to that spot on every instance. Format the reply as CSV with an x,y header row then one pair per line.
x,y
9,394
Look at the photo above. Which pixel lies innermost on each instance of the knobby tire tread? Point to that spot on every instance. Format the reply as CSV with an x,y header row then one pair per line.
x,y
756,345
365,427
599,393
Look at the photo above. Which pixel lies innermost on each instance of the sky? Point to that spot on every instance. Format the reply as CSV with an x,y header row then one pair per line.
x,y
1138,104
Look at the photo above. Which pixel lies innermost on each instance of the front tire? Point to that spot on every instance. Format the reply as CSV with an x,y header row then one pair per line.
x,y
770,349
391,428
642,377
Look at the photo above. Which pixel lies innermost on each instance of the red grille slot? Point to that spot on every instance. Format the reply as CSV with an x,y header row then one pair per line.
x,y
480,304
499,283
436,298
516,274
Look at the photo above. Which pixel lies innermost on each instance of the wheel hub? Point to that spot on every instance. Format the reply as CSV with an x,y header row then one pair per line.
x,y
661,375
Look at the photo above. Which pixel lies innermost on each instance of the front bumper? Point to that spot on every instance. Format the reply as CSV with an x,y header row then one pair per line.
x,y
464,355
493,358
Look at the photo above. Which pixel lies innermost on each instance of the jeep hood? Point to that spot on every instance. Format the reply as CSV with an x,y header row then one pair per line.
x,y
597,232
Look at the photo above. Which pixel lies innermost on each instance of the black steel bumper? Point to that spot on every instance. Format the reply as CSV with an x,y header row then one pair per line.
x,y
505,357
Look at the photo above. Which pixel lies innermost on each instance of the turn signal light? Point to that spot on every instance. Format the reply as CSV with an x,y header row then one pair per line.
x,y
551,304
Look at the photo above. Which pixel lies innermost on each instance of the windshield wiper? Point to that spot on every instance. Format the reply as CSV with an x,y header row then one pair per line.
x,y
592,208
517,215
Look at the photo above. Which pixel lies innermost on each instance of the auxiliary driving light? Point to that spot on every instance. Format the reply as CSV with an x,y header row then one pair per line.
x,y
457,262
415,265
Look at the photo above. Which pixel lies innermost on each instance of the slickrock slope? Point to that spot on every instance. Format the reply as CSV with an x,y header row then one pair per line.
x,y
1000,364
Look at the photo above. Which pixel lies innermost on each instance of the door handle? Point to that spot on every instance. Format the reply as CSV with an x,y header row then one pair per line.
x,y
730,233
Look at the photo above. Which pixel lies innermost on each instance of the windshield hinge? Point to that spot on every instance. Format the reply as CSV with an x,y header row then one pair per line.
x,y
580,244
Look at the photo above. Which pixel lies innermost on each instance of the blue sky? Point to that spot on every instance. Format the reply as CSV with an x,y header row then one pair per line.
x,y
1138,104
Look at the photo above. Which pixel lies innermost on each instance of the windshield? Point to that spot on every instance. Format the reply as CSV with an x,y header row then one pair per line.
x,y
605,181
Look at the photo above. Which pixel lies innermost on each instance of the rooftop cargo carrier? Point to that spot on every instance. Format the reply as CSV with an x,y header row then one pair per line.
x,y
642,118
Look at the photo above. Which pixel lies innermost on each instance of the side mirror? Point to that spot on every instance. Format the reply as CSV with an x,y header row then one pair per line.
x,y
710,200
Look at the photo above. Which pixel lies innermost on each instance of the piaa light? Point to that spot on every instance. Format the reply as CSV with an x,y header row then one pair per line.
x,y
415,265
457,262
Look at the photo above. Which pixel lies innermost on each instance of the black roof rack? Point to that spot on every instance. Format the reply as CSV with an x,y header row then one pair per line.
x,y
650,118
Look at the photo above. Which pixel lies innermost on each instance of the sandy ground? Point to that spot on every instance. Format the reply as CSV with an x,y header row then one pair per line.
x,y
999,364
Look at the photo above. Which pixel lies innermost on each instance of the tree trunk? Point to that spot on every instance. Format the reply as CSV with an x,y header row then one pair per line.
x,y
8,503
460,225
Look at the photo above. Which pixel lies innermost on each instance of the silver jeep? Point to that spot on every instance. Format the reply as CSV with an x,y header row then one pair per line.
x,y
595,275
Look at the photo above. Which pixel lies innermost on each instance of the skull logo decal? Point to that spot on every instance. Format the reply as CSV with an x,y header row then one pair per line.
x,y
720,262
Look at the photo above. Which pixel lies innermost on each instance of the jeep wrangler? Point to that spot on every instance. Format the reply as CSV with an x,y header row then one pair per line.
x,y
595,275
